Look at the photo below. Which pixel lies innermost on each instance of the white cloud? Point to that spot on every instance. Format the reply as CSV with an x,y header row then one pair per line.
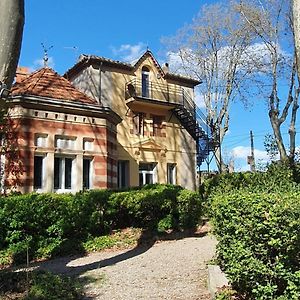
x,y
39,63
129,53
242,152
255,59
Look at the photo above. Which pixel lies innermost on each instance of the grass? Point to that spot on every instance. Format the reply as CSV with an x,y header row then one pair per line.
x,y
120,239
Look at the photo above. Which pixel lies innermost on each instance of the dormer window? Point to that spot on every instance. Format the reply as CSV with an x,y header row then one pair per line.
x,y
145,82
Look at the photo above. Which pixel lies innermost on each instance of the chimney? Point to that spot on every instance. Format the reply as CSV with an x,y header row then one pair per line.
x,y
166,68
21,73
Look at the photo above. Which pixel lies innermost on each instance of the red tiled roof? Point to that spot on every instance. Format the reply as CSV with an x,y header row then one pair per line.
x,y
49,84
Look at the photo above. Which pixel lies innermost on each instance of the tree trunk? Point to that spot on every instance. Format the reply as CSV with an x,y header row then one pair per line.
x,y
278,136
11,32
296,24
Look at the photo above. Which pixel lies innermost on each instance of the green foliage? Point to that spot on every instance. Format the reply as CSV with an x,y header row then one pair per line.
x,y
259,242
39,286
165,224
225,294
47,225
100,243
271,146
278,177
189,208
119,238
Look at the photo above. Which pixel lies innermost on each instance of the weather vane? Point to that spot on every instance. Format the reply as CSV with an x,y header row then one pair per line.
x,y
46,57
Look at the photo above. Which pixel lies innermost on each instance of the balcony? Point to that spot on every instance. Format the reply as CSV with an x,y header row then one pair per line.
x,y
168,96
140,94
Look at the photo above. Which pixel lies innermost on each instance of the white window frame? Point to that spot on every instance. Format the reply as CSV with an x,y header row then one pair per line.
x,y
43,171
90,159
171,170
62,175
152,172
62,142
41,140
88,144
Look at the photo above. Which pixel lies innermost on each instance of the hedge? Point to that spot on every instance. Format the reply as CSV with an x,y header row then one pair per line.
x,y
54,224
259,242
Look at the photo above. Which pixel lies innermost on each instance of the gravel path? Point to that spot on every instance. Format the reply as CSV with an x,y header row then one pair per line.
x,y
173,269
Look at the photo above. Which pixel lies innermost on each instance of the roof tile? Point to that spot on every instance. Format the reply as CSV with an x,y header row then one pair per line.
x,y
47,83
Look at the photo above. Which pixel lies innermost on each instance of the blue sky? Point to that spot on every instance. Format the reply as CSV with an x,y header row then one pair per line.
x,y
121,30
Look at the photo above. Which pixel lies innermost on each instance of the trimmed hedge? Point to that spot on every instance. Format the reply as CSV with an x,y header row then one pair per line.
x,y
259,242
280,177
53,224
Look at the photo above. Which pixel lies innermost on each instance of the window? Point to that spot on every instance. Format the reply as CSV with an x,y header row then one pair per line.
x,y
123,173
147,173
145,82
41,140
138,124
88,144
171,173
38,172
157,125
86,171
65,143
63,173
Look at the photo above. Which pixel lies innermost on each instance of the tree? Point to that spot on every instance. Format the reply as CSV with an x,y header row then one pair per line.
x,y
296,23
212,49
270,21
11,32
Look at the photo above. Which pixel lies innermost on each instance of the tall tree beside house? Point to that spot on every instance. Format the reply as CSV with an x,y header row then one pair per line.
x,y
212,49
11,32
240,50
271,22
296,26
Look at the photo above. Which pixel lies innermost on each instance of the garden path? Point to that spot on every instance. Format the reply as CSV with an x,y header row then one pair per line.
x,y
169,269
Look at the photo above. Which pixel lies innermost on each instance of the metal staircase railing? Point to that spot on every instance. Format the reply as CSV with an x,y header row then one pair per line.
x,y
190,116
195,122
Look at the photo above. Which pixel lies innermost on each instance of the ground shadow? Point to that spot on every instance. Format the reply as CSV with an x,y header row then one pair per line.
x,y
146,241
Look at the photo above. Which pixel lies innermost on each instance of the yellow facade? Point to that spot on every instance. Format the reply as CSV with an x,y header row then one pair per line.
x,y
152,143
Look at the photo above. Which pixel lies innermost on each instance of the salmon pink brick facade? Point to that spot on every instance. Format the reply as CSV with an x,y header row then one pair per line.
x,y
66,141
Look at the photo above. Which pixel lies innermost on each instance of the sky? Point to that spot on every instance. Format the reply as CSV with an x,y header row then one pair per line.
x,y
123,30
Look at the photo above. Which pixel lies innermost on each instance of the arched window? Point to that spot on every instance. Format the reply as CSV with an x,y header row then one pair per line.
x,y
145,82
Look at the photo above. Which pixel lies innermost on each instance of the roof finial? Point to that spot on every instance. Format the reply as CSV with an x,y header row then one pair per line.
x,y
46,57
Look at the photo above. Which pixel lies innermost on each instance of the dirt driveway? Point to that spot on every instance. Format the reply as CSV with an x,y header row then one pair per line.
x,y
172,269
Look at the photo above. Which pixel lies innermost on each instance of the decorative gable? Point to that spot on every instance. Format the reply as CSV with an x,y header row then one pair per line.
x,y
151,60
149,145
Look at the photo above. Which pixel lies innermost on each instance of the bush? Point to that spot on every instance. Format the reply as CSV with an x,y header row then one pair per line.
x,y
38,286
47,225
259,242
278,177
189,208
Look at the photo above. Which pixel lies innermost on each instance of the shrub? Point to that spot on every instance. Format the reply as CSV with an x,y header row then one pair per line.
x,y
259,242
38,286
47,225
189,208
278,177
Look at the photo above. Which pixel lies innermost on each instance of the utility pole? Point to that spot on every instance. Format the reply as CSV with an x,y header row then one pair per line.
x,y
252,160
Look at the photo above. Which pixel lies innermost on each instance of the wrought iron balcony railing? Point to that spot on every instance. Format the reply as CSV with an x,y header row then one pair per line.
x,y
168,93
